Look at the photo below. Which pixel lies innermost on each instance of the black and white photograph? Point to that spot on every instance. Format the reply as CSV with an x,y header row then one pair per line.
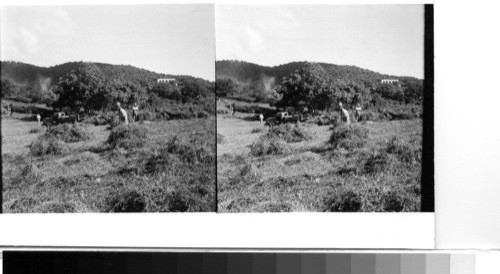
x,y
108,108
320,108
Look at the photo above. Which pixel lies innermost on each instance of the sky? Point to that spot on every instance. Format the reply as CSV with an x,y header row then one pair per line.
x,y
384,38
171,39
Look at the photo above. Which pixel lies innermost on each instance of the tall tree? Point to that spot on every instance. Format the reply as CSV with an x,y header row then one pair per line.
x,y
305,87
84,88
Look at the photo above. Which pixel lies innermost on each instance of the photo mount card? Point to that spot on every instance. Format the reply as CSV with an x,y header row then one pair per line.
x,y
342,230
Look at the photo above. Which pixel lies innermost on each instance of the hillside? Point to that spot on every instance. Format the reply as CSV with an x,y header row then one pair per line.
x,y
22,73
245,72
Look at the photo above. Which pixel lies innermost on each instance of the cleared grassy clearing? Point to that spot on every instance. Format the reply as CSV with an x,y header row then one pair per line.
x,y
97,177
381,175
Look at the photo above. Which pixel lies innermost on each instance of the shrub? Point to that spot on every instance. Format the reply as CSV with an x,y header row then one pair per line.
x,y
179,201
128,201
269,146
377,162
394,201
328,119
367,115
257,130
349,136
161,162
246,108
35,130
289,133
128,136
145,116
346,201
29,173
44,145
404,152
68,133
105,118
220,139
191,151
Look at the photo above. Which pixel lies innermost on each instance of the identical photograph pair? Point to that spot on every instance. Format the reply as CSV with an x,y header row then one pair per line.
x,y
225,108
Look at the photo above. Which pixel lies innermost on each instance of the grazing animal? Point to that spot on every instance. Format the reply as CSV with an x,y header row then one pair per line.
x,y
122,113
344,114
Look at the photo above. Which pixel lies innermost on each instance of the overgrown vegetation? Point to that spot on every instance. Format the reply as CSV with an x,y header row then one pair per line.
x,y
349,136
269,146
68,133
129,136
48,145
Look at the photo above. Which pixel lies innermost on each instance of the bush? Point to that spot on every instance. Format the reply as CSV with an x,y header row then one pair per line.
x,y
128,201
29,173
128,136
394,201
35,130
370,116
328,119
403,151
68,133
269,146
191,151
377,162
257,130
246,108
106,118
349,136
145,116
45,145
346,201
178,201
289,133
162,162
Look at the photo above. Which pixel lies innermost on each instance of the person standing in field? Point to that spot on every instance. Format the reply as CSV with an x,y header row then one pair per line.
x,y
344,114
122,114
38,118
357,115
135,112
261,118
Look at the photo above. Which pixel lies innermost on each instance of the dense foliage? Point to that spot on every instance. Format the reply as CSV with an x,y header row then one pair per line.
x,y
316,87
95,87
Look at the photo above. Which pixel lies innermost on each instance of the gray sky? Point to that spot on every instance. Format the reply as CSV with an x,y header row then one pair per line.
x,y
384,38
173,39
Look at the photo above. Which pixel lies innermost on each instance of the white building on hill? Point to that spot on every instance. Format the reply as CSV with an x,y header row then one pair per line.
x,y
166,80
389,81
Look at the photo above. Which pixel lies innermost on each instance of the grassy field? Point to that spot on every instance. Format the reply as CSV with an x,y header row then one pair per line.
x,y
172,169
379,173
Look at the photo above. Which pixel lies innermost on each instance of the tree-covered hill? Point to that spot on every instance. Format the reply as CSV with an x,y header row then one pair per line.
x,y
98,86
245,72
316,86
22,73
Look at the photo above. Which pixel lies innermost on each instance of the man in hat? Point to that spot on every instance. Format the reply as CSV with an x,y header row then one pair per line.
x,y
357,114
135,112
344,114
122,114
